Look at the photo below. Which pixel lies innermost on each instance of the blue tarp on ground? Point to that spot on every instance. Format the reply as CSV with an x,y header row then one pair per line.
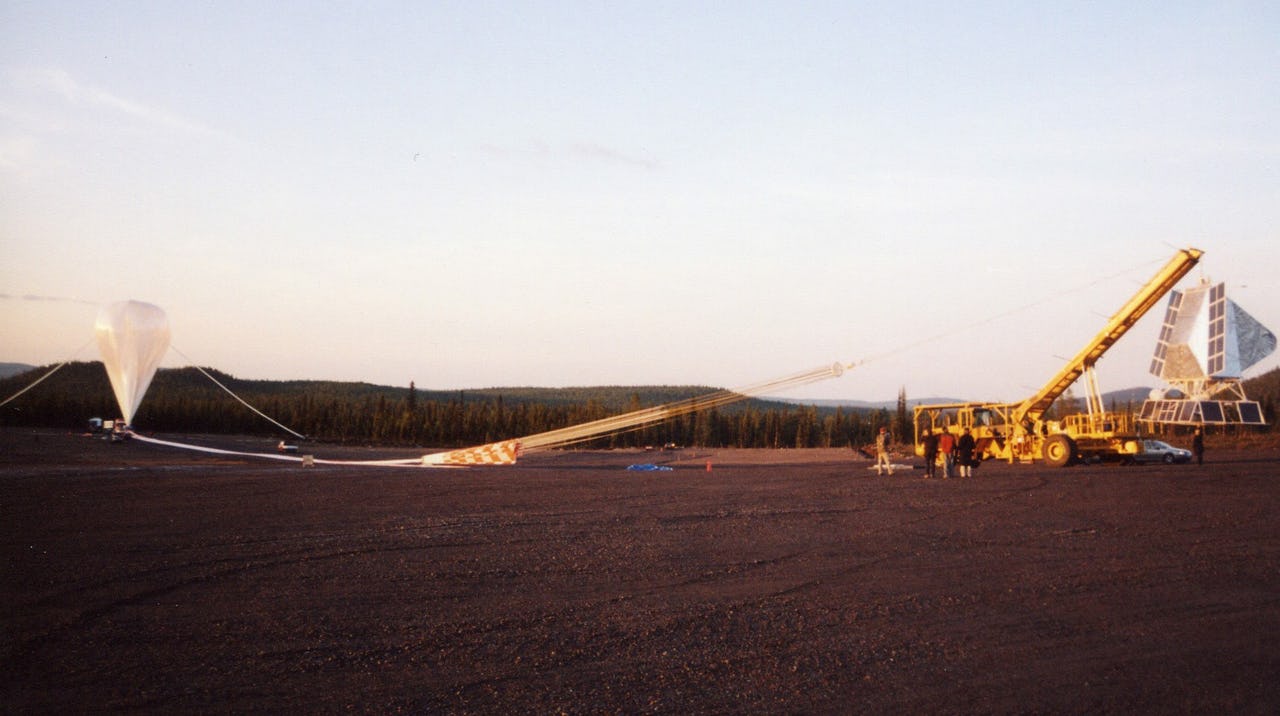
x,y
649,467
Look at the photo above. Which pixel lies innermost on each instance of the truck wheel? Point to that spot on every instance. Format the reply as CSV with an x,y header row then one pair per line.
x,y
1059,450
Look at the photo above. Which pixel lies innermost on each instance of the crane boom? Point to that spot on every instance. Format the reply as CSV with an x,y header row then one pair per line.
x,y
1031,409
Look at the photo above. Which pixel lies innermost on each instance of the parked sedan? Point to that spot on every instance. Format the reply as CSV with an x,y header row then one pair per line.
x,y
1160,451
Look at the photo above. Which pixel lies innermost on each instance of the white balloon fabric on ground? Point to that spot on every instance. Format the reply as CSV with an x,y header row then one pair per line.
x,y
133,337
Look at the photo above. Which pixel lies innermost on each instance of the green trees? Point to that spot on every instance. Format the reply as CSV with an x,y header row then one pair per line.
x,y
183,400
902,429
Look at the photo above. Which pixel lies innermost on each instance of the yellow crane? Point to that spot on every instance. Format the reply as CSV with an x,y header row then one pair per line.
x,y
1021,432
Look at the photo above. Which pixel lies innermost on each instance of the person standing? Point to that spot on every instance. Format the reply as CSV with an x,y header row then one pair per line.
x,y
947,446
964,453
1197,446
930,454
882,452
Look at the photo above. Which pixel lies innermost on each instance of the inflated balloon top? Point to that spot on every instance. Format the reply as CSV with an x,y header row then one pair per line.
x,y
133,336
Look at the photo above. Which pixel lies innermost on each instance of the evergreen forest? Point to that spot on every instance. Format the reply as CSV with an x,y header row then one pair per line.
x,y
185,400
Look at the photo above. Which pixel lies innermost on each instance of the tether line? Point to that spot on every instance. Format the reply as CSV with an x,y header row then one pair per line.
x,y
999,316
243,402
52,370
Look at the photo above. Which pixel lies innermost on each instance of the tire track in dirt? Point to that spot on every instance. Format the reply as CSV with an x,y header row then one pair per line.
x,y
208,571
1000,495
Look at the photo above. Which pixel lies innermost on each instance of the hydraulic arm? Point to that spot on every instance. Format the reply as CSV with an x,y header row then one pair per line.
x,y
1031,409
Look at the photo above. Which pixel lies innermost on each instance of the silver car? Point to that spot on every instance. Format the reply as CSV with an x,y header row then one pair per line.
x,y
1160,451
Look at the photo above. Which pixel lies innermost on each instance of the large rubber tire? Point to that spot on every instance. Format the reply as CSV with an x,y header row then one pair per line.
x,y
1168,458
1059,450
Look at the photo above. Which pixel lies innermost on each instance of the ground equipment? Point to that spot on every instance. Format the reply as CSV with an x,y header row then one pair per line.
x,y
1022,432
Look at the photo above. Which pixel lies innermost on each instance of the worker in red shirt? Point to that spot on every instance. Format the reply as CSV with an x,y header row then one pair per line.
x,y
947,446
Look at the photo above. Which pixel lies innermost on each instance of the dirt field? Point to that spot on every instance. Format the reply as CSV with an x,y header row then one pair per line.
x,y
143,578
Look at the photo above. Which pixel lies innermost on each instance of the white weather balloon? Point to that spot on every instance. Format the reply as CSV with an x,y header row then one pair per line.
x,y
133,336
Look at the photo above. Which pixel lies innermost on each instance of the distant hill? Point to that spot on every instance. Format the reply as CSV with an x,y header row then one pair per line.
x,y
870,404
1127,395
1266,390
89,380
1136,395
611,398
186,400
8,369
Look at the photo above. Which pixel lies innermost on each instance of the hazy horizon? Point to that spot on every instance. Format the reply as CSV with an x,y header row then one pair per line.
x,y
954,197
817,399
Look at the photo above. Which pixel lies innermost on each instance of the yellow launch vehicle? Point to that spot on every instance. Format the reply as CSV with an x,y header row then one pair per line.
x,y
1021,432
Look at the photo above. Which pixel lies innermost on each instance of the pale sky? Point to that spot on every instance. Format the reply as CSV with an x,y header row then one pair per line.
x,y
468,194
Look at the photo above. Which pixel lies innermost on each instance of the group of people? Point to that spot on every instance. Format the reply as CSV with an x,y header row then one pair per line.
x,y
959,454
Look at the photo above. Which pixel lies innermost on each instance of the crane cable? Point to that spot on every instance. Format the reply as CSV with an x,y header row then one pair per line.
x,y
998,316
242,400
659,413
52,370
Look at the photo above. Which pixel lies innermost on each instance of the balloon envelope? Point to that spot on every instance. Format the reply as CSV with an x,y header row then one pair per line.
x,y
132,337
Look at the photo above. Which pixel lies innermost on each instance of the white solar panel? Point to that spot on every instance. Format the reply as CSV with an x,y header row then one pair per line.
x,y
1217,330
1206,343
1166,334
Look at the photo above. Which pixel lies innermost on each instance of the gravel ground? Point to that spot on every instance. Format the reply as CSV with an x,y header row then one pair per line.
x,y
148,579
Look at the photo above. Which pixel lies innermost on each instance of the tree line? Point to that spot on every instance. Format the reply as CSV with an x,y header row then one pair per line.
x,y
185,400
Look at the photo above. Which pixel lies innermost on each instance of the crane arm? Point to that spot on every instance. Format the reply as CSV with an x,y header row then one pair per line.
x,y
1165,279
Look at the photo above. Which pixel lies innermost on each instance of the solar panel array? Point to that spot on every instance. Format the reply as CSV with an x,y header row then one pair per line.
x,y
1166,334
1197,412
1235,341
1217,329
